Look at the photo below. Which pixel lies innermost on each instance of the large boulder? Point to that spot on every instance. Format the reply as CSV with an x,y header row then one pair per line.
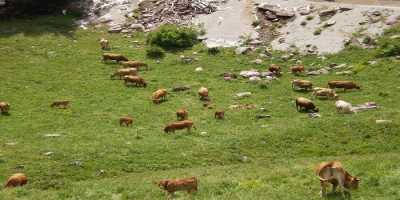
x,y
276,10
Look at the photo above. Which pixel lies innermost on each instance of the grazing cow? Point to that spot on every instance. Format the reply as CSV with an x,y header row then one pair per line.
x,y
172,186
60,104
104,44
219,114
302,85
344,107
203,93
114,56
325,93
134,64
275,69
159,96
4,107
182,114
346,85
127,121
334,173
136,80
297,69
16,180
124,72
179,125
305,104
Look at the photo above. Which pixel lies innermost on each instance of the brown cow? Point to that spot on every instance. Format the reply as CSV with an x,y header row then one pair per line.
x,y
172,186
60,104
203,93
159,96
325,93
114,56
219,114
179,125
275,69
104,44
124,72
16,180
182,114
334,173
134,64
136,80
127,121
346,85
297,69
4,107
305,104
302,85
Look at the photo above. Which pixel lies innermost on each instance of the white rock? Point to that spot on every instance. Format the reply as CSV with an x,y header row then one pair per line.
x,y
243,94
199,69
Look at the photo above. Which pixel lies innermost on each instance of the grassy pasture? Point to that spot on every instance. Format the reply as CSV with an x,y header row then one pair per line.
x,y
45,59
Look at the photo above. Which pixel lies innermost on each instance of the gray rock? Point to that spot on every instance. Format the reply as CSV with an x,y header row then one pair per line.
x,y
277,11
328,12
242,50
347,72
305,10
257,61
243,94
254,79
395,37
329,23
2,2
115,29
137,27
391,20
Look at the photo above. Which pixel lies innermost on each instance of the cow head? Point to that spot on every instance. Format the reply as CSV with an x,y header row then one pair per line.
x,y
163,184
353,182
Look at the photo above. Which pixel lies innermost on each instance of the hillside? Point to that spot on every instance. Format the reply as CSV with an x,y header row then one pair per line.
x,y
83,153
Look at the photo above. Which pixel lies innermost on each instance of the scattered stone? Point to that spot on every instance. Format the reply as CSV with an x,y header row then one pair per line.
x,y
254,79
52,135
395,37
115,29
391,20
257,61
255,42
242,50
305,10
244,159
341,66
11,143
242,106
261,116
344,9
243,94
372,62
203,133
328,12
314,115
382,121
137,27
48,153
261,55
249,73
77,163
329,23
347,72
199,69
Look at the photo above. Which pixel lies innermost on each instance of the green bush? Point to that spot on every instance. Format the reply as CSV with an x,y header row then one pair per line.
x,y
389,47
172,37
155,52
213,51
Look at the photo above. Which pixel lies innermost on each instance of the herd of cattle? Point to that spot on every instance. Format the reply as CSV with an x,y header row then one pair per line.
x,y
328,172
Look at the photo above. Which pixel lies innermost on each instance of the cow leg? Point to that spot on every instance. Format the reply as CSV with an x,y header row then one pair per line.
x,y
323,189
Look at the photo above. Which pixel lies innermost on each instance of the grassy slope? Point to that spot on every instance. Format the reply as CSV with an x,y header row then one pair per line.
x,y
39,65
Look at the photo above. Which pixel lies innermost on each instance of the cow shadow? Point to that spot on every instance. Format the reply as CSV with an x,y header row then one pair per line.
x,y
338,196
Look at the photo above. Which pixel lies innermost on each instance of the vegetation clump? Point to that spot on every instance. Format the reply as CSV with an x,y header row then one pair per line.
x,y
172,37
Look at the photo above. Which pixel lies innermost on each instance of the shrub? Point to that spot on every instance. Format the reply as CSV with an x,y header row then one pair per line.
x,y
213,51
155,52
172,37
389,47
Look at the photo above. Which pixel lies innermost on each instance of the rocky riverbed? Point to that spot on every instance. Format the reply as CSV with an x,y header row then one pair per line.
x,y
290,25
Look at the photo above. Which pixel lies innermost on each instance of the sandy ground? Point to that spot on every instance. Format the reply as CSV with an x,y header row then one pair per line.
x,y
331,39
225,26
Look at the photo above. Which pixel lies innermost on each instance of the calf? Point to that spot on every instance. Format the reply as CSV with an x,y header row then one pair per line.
x,y
114,56
297,69
172,186
219,114
104,44
4,107
302,85
344,107
305,104
346,85
124,72
334,173
325,93
134,64
135,80
203,93
159,95
127,121
179,125
275,69
182,114
16,180
60,104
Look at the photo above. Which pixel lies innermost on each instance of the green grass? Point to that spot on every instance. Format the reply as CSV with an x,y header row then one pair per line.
x,y
41,62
